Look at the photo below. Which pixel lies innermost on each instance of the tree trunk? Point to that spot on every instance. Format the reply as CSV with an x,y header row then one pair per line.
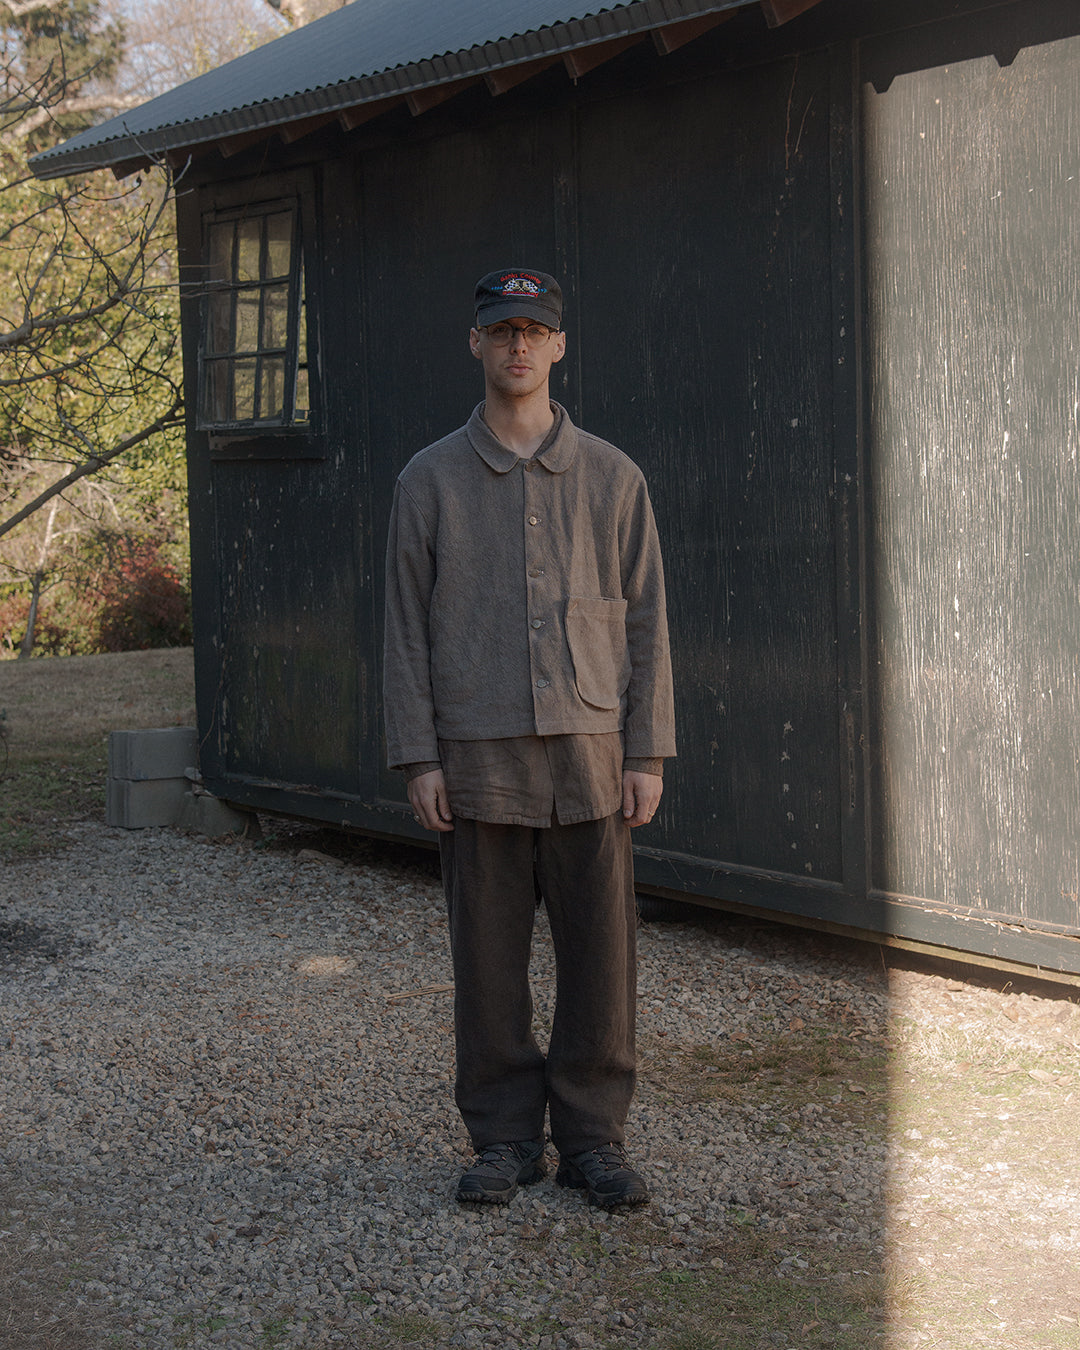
x,y
27,647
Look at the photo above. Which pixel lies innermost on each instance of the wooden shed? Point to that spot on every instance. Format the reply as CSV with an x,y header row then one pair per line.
x,y
822,284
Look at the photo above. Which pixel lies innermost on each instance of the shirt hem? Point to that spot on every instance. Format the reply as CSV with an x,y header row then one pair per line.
x,y
535,822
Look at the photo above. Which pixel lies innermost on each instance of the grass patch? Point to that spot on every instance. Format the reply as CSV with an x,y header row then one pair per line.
x,y
739,1312
274,1332
55,717
792,1060
786,1068
38,1263
401,1330
759,1289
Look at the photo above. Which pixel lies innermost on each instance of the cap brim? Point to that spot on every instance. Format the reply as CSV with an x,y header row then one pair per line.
x,y
518,308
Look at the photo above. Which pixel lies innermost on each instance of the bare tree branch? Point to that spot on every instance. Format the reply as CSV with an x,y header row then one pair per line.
x,y
96,462
121,285
42,116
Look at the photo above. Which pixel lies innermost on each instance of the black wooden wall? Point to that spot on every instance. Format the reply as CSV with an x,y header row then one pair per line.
x,y
822,288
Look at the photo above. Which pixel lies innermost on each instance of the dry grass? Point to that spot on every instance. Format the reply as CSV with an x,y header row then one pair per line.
x,y
54,704
56,714
38,1263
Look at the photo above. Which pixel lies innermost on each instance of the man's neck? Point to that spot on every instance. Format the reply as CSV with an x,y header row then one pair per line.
x,y
521,424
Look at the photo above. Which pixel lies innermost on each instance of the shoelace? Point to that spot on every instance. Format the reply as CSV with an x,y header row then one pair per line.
x,y
500,1153
609,1157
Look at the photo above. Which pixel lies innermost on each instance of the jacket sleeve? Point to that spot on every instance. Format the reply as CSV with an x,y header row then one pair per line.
x,y
649,728
408,703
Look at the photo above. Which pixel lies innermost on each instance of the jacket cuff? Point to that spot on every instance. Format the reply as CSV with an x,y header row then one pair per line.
x,y
637,765
412,771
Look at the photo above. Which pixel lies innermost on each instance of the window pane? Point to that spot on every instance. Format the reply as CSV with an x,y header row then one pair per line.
x,y
301,336
247,321
278,244
217,403
275,317
249,233
302,411
272,391
219,262
221,310
243,409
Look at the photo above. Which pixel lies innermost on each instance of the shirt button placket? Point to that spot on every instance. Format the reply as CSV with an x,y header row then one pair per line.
x,y
534,569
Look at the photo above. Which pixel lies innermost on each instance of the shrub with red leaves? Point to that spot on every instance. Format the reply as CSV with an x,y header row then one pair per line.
x,y
143,601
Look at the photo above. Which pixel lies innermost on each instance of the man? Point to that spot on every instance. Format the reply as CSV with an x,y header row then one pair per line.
x,y
528,700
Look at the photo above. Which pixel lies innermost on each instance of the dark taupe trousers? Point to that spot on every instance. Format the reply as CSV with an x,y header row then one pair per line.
x,y
584,872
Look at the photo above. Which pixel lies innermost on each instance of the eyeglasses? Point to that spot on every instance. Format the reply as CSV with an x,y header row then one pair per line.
x,y
501,334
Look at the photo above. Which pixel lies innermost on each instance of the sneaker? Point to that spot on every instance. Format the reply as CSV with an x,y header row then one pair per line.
x,y
498,1171
607,1176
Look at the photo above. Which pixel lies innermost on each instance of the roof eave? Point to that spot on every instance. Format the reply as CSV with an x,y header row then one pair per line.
x,y
126,152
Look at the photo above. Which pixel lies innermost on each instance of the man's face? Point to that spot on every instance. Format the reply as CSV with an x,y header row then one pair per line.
x,y
519,368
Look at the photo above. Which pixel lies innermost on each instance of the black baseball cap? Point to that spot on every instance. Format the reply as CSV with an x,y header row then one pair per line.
x,y
518,293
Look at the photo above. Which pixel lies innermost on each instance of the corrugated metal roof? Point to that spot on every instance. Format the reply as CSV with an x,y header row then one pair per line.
x,y
370,50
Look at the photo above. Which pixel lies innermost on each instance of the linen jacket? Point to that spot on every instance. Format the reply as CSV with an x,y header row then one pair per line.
x,y
524,597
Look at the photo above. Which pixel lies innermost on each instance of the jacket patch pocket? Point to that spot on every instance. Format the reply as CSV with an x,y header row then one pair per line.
x,y
596,634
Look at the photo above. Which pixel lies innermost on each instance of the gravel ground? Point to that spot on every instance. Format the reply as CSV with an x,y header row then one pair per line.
x,y
227,1079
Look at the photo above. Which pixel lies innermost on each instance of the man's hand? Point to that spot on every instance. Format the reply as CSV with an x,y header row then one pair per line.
x,y
430,802
640,796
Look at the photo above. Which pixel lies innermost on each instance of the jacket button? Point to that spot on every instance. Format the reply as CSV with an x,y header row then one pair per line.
x,y
529,466
537,623
534,520
536,571
542,684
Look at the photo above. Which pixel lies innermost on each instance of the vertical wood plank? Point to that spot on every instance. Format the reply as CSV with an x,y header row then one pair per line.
x,y
973,189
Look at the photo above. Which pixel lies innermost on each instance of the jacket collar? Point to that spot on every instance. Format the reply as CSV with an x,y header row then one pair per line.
x,y
556,454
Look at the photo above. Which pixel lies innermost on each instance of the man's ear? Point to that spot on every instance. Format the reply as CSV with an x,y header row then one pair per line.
x,y
474,342
560,347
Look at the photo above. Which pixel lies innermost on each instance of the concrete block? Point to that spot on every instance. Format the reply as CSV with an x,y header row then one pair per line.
x,y
202,813
136,805
165,752
150,783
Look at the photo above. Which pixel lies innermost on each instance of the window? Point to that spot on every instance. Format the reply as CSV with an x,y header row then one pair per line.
x,y
254,357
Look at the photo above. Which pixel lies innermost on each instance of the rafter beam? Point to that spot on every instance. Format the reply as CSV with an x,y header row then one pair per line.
x,y
500,81
426,99
296,131
676,35
352,118
780,11
583,60
129,166
236,145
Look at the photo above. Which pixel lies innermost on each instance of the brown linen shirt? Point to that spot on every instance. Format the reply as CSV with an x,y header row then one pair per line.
x,y
524,597
532,780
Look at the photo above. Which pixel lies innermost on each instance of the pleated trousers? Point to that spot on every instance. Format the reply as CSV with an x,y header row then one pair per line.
x,y
493,876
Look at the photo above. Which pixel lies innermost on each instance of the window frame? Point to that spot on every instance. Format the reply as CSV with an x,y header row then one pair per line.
x,y
280,436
